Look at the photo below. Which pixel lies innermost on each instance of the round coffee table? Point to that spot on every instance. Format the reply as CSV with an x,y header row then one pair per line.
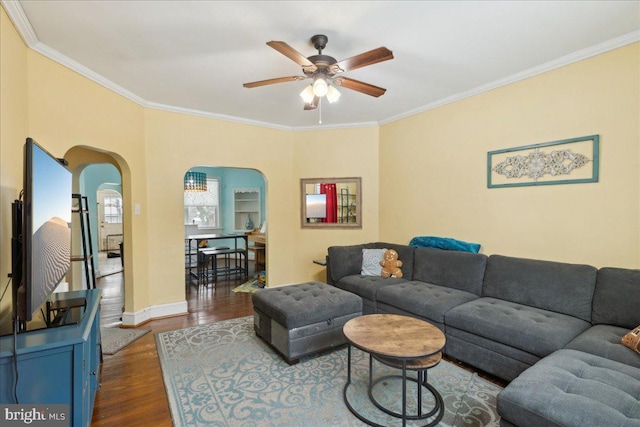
x,y
401,342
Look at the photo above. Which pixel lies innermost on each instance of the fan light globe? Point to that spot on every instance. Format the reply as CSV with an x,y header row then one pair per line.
x,y
307,94
320,87
332,94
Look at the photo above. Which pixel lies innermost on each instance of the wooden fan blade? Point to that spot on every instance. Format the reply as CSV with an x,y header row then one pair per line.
x,y
368,58
273,81
359,86
313,104
293,54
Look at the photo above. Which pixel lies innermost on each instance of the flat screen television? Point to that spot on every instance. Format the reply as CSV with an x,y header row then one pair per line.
x,y
42,251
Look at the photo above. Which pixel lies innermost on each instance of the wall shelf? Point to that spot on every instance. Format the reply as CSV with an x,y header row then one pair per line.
x,y
246,204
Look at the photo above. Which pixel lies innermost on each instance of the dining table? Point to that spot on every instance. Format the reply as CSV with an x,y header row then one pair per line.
x,y
237,249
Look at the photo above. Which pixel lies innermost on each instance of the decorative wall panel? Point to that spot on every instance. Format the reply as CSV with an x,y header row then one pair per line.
x,y
570,161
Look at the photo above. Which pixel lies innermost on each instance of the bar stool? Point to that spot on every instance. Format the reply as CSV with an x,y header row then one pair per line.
x,y
207,256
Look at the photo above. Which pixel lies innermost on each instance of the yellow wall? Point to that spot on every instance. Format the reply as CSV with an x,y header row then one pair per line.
x,y
177,142
423,175
433,167
13,127
66,111
327,154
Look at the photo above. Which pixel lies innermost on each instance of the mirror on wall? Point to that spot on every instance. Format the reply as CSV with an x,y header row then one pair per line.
x,y
330,203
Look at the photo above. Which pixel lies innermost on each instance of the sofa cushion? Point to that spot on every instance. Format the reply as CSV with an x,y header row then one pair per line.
x,y
425,300
366,286
604,341
531,329
573,389
453,269
345,260
497,359
563,288
303,304
616,300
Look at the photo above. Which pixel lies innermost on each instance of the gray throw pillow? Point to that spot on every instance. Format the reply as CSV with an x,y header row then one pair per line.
x,y
371,262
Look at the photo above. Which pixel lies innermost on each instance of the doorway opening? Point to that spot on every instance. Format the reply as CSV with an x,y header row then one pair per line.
x,y
110,235
231,204
97,172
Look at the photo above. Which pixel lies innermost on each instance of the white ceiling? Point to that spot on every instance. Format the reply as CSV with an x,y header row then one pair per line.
x,y
194,56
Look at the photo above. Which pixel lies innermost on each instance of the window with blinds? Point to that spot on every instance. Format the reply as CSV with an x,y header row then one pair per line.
x,y
203,208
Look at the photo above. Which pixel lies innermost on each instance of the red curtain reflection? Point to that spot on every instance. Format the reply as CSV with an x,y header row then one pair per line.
x,y
332,202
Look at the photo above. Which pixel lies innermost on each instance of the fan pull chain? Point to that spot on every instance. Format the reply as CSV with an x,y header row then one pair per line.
x,y
320,111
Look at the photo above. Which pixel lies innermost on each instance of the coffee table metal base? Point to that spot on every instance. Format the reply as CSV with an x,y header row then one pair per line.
x,y
421,381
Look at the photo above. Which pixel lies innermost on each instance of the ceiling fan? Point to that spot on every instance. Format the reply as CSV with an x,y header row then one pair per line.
x,y
326,71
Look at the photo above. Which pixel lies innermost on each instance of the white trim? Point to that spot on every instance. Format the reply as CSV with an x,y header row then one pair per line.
x,y
336,126
154,312
20,21
22,24
205,114
87,72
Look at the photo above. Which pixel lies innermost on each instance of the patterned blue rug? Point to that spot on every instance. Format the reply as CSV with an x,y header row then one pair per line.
x,y
221,374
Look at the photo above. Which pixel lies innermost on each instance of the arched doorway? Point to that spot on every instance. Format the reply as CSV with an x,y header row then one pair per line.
x,y
95,171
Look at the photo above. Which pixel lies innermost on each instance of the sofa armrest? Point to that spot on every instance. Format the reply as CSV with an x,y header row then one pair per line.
x,y
330,280
343,261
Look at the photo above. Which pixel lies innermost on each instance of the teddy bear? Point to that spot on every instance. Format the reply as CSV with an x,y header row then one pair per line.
x,y
632,339
391,264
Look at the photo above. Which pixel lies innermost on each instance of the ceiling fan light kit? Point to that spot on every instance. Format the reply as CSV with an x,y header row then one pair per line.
x,y
332,94
320,85
307,94
325,70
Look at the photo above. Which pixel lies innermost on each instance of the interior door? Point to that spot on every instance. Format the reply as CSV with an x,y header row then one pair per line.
x,y
109,220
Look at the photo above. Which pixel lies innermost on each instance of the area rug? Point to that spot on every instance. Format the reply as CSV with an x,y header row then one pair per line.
x,y
250,286
221,374
115,339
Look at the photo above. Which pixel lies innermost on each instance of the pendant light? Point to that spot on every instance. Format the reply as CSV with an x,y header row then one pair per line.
x,y
195,182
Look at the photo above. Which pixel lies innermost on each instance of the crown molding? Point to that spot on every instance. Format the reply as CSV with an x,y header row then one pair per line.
x,y
205,114
87,72
20,21
540,69
336,126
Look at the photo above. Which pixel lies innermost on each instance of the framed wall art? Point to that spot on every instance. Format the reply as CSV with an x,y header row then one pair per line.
x,y
569,161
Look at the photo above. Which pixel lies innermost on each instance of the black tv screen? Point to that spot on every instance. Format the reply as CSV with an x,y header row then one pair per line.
x,y
46,227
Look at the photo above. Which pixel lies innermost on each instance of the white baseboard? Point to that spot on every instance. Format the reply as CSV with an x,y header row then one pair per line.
x,y
154,312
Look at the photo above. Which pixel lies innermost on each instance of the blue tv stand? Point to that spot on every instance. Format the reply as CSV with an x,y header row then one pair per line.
x,y
59,365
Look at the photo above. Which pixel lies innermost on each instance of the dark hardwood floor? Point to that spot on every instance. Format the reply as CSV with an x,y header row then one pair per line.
x,y
132,391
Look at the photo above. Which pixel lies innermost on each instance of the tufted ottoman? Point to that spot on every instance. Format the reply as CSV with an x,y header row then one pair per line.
x,y
304,318
572,388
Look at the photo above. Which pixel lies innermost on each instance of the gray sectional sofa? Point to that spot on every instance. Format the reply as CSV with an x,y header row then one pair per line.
x,y
552,329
